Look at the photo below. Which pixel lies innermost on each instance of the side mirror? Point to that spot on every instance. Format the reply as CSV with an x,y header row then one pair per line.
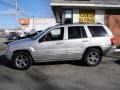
x,y
41,39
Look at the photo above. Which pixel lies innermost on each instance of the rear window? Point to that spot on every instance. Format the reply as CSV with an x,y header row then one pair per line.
x,y
97,31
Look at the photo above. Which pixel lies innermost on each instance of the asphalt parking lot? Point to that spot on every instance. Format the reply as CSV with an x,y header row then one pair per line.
x,y
72,75
61,76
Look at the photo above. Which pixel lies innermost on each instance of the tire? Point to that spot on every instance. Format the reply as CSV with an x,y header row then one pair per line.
x,y
22,60
92,57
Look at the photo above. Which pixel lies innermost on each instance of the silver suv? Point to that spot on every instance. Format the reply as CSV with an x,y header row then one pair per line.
x,y
87,42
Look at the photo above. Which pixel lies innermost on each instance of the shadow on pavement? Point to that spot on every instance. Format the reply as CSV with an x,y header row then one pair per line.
x,y
117,62
73,62
5,62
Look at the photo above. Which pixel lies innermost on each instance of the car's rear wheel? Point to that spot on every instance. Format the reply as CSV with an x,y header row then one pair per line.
x,y
92,57
22,60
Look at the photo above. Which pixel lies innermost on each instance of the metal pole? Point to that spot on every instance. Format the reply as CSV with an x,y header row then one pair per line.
x,y
33,24
16,4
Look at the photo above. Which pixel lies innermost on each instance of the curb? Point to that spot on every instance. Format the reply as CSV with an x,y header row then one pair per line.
x,y
117,50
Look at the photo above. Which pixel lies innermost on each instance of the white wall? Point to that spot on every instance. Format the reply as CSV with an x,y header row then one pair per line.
x,y
99,17
76,16
40,24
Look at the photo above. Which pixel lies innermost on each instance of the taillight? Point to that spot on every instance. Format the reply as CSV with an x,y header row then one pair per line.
x,y
112,40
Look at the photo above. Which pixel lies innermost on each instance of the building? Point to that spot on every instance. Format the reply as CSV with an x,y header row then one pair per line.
x,y
35,24
89,11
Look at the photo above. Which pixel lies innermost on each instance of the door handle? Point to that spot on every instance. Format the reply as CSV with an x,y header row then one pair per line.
x,y
85,41
59,43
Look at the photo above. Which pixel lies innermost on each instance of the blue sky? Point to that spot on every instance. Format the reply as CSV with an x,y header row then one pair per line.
x,y
37,8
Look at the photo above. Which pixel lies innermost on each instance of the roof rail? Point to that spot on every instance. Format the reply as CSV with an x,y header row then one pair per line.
x,y
87,23
80,23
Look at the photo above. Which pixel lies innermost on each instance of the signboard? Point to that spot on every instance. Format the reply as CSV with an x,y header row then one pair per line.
x,y
24,21
87,16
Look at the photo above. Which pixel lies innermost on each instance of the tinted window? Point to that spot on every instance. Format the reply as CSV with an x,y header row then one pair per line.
x,y
76,32
97,31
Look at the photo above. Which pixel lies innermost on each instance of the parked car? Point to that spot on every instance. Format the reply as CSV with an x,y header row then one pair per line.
x,y
14,37
87,42
30,35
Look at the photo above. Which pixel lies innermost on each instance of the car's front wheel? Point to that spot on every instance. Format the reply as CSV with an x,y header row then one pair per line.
x,y
22,60
92,57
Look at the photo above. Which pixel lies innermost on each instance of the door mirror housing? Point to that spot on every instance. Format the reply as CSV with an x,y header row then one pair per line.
x,y
41,39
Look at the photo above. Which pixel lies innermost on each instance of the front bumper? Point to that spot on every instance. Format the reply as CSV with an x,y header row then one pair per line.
x,y
8,54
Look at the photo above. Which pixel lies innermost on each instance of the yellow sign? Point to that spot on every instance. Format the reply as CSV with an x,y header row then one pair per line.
x,y
87,16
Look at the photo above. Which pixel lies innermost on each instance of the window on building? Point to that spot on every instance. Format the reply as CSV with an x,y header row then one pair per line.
x,y
97,31
68,16
76,32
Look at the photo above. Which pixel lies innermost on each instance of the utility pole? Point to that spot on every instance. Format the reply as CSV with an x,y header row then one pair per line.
x,y
33,30
16,13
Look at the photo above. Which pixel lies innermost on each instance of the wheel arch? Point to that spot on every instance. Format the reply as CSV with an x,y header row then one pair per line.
x,y
27,51
97,47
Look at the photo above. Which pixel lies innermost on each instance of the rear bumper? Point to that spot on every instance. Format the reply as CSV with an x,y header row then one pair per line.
x,y
109,51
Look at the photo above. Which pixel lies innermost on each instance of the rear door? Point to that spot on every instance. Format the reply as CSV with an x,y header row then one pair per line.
x,y
77,41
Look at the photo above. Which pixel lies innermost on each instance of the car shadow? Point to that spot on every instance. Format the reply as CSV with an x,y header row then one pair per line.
x,y
73,62
117,62
5,62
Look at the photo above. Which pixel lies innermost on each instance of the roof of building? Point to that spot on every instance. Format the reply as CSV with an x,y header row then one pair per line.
x,y
108,2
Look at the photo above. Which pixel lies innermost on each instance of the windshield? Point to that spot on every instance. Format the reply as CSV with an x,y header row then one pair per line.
x,y
37,36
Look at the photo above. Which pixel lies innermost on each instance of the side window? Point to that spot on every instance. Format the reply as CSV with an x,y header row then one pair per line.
x,y
97,31
54,35
76,32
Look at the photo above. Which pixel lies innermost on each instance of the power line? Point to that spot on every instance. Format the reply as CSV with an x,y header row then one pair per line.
x,y
14,7
30,7
7,4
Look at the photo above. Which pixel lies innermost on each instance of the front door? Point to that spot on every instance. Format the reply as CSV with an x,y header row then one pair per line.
x,y
52,46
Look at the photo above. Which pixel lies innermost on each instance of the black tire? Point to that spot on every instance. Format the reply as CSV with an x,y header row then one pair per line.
x,y
19,63
92,57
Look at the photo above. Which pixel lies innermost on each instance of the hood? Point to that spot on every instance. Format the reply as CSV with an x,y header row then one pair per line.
x,y
22,41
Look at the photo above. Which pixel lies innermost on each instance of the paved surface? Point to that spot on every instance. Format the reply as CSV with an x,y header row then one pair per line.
x,y
61,76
